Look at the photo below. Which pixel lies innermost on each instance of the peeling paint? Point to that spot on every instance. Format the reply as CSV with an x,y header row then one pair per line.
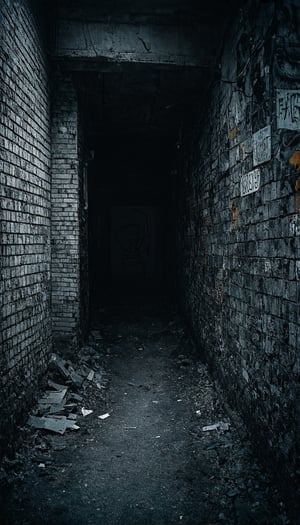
x,y
262,146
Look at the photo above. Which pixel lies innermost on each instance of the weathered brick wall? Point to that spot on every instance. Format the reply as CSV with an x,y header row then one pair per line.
x,y
25,210
68,212
238,240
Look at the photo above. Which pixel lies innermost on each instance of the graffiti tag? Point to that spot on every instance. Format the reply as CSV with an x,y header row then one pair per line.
x,y
288,109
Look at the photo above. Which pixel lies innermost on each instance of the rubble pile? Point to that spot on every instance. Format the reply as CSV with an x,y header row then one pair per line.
x,y
61,406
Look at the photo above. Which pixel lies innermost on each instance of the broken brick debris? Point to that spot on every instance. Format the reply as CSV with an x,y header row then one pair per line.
x,y
221,425
56,408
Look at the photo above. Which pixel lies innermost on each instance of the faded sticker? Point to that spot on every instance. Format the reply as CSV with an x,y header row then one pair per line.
x,y
262,146
250,182
288,108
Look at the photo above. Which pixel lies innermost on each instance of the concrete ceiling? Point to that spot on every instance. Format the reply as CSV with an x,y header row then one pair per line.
x,y
139,66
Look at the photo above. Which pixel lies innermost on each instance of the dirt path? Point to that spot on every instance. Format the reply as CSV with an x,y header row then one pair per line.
x,y
149,462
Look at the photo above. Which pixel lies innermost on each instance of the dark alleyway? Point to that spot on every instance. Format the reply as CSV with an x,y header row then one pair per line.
x,y
150,461
149,147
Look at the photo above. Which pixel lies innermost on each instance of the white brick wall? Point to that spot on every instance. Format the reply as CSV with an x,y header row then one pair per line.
x,y
65,210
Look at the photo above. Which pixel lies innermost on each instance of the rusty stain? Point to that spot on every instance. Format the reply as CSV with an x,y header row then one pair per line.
x,y
295,160
233,133
234,213
234,217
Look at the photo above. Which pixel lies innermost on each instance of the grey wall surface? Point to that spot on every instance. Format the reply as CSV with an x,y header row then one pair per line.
x,y
238,242
65,210
24,209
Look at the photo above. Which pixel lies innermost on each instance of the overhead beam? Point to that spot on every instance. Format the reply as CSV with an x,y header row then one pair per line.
x,y
131,43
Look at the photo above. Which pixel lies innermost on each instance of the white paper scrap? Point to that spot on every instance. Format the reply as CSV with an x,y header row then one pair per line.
x,y
104,416
86,412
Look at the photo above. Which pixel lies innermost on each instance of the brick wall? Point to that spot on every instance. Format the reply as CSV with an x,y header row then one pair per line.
x,y
24,209
68,212
239,229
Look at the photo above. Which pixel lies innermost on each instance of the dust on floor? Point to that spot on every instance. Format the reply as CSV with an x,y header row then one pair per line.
x,y
166,451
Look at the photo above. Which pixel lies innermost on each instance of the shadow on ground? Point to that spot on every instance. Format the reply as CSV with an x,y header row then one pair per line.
x,y
152,460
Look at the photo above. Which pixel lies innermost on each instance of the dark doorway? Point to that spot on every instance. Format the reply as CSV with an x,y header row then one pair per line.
x,y
129,208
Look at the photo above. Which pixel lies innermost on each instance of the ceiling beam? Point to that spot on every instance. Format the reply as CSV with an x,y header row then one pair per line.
x,y
132,43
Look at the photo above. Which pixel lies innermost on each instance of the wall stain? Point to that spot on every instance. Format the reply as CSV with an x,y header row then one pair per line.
x,y
234,214
295,160
233,133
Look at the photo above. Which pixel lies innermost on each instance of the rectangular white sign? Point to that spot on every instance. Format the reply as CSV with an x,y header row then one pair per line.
x,y
250,182
262,146
288,109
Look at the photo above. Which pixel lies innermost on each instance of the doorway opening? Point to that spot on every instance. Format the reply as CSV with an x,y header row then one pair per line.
x,y
132,121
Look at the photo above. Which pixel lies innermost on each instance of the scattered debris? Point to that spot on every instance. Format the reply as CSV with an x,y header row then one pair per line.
x,y
77,397
90,376
74,377
234,490
54,385
53,398
56,409
85,412
221,425
104,416
58,424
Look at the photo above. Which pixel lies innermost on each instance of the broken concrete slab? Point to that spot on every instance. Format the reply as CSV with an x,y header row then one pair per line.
x,y
46,423
57,424
55,386
77,397
76,379
53,398
72,425
56,409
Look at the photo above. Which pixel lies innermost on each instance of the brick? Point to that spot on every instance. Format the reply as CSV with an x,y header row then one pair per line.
x,y
25,211
242,296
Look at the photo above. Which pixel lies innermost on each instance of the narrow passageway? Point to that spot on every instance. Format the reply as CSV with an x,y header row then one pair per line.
x,y
151,461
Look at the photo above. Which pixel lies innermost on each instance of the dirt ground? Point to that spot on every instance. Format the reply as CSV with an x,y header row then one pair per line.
x,y
151,461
